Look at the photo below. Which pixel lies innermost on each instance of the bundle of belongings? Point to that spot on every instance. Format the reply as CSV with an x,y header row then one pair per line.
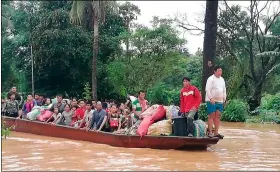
x,y
165,120
40,113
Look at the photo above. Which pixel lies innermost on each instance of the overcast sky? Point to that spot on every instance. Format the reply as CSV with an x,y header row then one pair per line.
x,y
193,9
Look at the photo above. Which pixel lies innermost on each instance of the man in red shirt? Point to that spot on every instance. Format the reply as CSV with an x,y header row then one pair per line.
x,y
190,100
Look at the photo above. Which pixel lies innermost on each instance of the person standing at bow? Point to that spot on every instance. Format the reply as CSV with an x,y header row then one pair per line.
x,y
215,99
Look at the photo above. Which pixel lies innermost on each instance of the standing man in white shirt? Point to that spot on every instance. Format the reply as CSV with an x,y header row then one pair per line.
x,y
215,99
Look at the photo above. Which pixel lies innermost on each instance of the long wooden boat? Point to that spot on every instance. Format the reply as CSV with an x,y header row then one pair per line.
x,y
117,140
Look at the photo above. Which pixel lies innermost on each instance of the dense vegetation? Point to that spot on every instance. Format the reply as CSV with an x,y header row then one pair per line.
x,y
154,59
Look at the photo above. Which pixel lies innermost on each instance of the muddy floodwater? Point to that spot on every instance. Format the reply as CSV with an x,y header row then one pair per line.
x,y
245,147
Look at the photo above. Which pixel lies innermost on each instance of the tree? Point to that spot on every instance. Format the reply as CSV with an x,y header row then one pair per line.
x,y
209,44
252,41
6,15
241,36
156,55
128,12
210,37
90,12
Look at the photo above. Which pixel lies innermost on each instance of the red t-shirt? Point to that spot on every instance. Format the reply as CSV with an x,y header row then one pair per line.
x,y
189,97
80,112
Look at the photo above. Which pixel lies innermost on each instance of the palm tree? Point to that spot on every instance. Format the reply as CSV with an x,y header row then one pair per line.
x,y
93,12
209,44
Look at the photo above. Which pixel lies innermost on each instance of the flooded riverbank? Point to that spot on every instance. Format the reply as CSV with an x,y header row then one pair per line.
x,y
245,147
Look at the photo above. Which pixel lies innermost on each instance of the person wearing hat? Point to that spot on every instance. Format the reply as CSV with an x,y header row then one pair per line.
x,y
190,99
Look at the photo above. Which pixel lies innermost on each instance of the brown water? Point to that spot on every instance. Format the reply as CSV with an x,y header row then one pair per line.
x,y
245,147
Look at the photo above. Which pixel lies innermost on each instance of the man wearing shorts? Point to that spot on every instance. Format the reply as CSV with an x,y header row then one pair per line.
x,y
190,100
215,99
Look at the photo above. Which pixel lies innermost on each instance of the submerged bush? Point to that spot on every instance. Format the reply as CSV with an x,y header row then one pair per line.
x,y
270,102
264,118
5,131
235,111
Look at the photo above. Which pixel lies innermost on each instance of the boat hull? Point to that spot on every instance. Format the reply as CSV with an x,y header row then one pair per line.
x,y
117,140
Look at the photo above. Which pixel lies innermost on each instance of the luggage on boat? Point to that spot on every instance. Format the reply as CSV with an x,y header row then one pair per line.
x,y
180,126
163,127
133,130
149,111
200,128
172,111
144,126
159,114
45,116
34,113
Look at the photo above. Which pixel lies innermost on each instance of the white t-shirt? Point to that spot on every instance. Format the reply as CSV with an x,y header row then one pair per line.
x,y
215,89
88,115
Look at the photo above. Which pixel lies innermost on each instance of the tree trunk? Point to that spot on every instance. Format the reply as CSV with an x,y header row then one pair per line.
x,y
127,48
209,44
127,42
256,96
94,57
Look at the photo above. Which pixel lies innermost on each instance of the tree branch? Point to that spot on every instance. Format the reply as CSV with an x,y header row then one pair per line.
x,y
273,69
269,25
243,24
227,46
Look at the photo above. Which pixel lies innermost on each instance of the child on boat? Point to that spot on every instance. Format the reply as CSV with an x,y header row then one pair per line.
x,y
85,122
113,118
56,115
79,114
124,120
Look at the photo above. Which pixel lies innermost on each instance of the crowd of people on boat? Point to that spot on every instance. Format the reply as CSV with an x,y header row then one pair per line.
x,y
110,116
84,114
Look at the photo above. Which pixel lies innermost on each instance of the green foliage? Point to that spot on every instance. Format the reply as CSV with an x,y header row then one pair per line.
x,y
264,118
270,118
271,102
160,94
4,95
62,52
87,93
156,55
156,62
5,131
235,111
275,28
202,112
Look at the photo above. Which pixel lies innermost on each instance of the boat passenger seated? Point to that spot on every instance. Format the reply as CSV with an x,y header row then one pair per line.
x,y
79,114
125,120
113,118
54,118
66,116
98,119
12,106
58,104
27,107
85,122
